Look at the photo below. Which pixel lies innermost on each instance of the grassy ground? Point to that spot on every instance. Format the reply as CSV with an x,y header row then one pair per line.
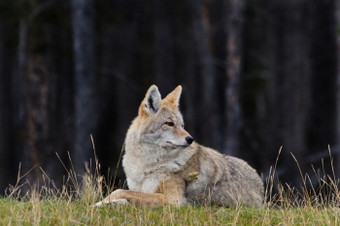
x,y
50,206
63,212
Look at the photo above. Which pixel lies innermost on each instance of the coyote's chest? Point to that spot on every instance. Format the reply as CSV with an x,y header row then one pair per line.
x,y
145,176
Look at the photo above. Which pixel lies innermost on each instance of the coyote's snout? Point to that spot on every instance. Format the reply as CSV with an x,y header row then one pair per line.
x,y
164,165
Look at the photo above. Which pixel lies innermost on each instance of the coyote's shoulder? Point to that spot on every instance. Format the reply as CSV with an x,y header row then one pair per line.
x,y
164,165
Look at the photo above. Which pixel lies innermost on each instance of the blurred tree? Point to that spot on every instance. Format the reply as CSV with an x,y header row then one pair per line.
x,y
233,114
337,34
206,110
84,81
5,117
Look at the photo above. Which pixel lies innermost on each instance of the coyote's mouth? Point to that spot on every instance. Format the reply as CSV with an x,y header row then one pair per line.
x,y
178,145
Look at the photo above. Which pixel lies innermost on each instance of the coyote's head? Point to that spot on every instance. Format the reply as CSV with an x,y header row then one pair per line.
x,y
159,121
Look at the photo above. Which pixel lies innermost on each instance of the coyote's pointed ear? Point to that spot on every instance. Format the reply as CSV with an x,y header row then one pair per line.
x,y
174,96
152,101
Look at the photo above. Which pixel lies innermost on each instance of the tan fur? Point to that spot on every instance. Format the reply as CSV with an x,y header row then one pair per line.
x,y
163,166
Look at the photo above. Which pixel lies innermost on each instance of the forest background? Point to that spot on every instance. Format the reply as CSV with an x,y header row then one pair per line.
x,y
256,75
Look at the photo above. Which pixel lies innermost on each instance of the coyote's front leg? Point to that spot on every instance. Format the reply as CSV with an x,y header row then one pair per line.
x,y
121,196
170,191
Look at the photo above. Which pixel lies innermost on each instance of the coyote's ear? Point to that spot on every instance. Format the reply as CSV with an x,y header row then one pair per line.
x,y
152,101
175,95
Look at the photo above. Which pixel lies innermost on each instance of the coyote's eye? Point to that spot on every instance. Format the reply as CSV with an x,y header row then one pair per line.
x,y
169,124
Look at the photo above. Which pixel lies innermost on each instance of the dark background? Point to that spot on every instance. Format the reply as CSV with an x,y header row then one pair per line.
x,y
256,75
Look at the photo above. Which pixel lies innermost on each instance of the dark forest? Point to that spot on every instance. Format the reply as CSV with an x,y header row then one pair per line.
x,y
257,75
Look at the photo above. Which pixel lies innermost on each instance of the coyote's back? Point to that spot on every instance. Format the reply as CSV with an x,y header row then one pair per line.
x,y
163,164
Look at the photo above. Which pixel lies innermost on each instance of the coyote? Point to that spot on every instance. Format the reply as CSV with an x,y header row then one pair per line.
x,y
164,165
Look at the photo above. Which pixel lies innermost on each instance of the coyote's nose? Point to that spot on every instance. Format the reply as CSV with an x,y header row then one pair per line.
x,y
189,139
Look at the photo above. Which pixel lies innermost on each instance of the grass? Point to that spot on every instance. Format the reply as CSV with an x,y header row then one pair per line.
x,y
49,205
62,212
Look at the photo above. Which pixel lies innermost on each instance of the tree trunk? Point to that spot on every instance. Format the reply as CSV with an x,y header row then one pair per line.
x,y
84,61
5,136
23,113
232,90
337,33
206,110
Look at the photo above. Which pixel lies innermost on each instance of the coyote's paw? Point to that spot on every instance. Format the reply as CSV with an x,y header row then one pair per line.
x,y
114,201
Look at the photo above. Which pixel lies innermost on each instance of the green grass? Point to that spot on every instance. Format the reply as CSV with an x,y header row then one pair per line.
x,y
49,205
63,212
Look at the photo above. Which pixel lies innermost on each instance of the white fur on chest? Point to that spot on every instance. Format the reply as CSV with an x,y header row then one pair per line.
x,y
145,172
